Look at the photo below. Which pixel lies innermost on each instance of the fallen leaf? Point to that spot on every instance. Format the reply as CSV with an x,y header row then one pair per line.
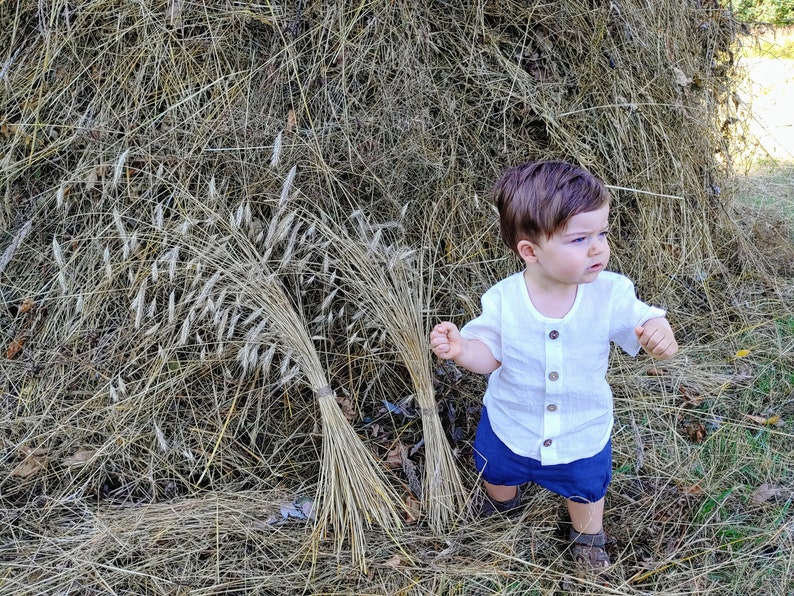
x,y
695,489
26,305
79,458
654,371
744,369
347,408
742,353
413,510
394,458
691,395
695,431
292,121
765,492
394,562
773,420
15,347
680,77
411,473
31,466
26,451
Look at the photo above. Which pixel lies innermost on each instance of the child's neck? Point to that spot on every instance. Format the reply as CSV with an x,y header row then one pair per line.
x,y
552,300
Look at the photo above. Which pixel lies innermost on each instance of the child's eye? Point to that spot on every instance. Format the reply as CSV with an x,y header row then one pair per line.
x,y
578,240
604,234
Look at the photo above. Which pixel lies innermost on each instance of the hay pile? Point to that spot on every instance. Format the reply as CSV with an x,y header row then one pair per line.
x,y
164,163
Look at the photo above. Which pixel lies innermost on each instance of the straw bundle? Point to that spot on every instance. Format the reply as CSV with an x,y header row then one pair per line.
x,y
387,283
352,493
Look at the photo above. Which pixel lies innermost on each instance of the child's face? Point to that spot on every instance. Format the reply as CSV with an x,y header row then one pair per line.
x,y
574,255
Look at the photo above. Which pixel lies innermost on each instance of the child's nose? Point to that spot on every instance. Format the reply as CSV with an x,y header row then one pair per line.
x,y
598,246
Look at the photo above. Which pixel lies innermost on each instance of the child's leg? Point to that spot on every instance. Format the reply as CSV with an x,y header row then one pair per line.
x,y
505,471
587,535
587,518
499,492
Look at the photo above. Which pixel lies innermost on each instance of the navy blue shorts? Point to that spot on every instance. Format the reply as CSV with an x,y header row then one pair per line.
x,y
583,481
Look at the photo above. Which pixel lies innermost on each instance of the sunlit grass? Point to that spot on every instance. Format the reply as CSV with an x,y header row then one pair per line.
x,y
775,43
769,184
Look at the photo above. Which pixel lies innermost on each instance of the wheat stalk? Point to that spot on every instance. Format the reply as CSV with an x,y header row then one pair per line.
x,y
388,282
352,493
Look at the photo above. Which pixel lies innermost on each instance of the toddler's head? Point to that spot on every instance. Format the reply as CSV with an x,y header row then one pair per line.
x,y
536,199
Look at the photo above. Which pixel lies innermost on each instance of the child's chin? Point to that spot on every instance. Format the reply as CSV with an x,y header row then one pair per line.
x,y
591,276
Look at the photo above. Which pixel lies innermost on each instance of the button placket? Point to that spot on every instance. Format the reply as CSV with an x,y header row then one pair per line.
x,y
554,388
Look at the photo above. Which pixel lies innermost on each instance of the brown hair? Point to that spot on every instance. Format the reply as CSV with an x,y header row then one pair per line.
x,y
536,199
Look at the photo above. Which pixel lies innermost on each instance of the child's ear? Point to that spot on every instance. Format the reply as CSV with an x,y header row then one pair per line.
x,y
526,250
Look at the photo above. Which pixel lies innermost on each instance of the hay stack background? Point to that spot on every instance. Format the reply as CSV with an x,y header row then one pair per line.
x,y
153,430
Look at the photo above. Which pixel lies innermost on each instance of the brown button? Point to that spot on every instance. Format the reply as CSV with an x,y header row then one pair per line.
x,y
551,408
554,334
553,376
547,443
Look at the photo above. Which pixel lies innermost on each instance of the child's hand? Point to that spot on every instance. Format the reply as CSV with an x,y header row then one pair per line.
x,y
446,341
656,337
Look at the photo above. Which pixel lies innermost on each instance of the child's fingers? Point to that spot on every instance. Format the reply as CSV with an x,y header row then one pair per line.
x,y
438,337
446,327
439,330
442,351
667,348
656,342
439,343
648,336
442,340
444,332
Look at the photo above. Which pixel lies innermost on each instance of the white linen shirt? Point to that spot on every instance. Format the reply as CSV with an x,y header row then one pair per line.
x,y
549,400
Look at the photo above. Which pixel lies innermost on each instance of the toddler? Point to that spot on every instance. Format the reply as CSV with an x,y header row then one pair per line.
x,y
544,336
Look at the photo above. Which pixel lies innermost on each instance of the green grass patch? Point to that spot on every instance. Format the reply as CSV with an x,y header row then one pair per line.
x,y
769,183
773,42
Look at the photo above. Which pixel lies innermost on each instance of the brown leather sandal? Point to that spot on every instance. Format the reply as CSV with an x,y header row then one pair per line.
x,y
589,550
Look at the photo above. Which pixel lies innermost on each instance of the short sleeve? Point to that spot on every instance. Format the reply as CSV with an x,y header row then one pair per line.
x,y
488,326
629,312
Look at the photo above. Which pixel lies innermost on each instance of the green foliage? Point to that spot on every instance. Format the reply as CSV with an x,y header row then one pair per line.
x,y
777,12
786,326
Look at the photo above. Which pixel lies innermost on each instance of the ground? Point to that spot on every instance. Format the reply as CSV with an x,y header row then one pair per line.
x,y
770,94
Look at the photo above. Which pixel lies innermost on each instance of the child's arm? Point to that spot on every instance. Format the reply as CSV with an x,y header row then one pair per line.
x,y
472,354
656,337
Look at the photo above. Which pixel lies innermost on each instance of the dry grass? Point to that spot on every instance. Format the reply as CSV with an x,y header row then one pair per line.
x,y
168,309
